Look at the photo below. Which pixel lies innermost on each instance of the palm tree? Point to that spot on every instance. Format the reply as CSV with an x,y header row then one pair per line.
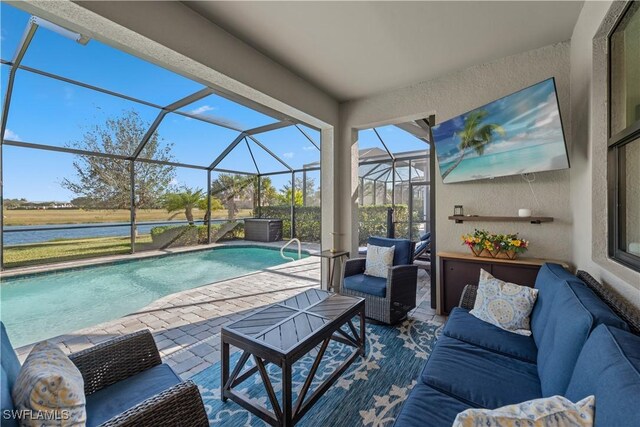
x,y
229,188
185,200
475,135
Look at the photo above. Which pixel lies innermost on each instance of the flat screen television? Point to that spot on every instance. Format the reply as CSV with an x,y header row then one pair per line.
x,y
520,133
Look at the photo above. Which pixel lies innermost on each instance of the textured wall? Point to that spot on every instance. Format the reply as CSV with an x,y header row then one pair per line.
x,y
457,93
589,150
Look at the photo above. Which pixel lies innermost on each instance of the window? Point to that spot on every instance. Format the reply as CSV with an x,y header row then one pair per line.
x,y
624,139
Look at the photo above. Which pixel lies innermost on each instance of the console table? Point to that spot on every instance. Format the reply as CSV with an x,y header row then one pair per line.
x,y
460,269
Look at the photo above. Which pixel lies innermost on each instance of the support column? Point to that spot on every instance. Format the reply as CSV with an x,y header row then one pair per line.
x,y
209,207
132,184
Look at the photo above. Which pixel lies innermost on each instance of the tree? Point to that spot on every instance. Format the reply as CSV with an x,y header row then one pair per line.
x,y
106,181
216,205
268,193
232,188
474,135
185,200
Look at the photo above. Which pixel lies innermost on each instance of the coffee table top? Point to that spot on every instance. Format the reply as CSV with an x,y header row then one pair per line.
x,y
284,325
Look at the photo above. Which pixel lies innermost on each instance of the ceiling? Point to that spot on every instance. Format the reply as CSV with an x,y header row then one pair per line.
x,y
355,49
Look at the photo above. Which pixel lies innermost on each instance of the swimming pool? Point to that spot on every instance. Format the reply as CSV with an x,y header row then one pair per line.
x,y
42,306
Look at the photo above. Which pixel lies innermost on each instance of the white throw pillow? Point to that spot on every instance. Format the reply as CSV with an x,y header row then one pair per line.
x,y
503,304
379,259
50,388
554,411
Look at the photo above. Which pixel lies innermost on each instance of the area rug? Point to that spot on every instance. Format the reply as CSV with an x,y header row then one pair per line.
x,y
369,393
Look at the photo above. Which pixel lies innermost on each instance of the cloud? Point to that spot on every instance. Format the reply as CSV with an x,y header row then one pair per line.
x,y
288,155
9,134
203,109
309,147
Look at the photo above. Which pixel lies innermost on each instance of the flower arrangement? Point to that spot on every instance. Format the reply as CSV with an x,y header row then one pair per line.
x,y
483,243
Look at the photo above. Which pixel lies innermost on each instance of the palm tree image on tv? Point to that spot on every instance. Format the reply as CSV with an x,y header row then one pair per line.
x,y
474,135
519,133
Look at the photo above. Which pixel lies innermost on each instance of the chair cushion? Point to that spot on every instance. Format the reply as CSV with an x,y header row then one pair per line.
x,y
504,304
403,253
480,377
422,246
547,411
6,402
379,260
366,284
426,406
465,327
49,382
609,368
8,357
121,396
574,313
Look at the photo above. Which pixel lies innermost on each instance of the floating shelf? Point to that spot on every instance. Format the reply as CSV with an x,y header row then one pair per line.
x,y
459,219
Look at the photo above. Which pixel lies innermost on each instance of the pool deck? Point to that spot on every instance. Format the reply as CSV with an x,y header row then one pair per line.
x,y
186,325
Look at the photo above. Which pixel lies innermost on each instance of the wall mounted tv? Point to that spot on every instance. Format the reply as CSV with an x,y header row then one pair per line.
x,y
520,133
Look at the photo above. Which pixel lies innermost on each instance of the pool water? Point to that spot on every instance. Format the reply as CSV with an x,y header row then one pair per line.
x,y
42,306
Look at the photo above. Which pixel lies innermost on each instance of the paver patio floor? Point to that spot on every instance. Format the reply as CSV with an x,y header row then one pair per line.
x,y
186,325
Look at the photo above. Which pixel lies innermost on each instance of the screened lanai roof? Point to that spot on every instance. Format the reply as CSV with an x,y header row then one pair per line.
x,y
57,84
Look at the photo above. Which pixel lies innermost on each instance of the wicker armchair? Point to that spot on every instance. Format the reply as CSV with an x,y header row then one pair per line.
x,y
385,301
122,358
127,372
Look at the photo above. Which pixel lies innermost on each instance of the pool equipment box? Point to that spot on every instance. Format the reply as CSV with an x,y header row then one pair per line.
x,y
263,229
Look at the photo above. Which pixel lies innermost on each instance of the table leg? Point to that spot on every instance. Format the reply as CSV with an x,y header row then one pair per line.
x,y
225,369
363,338
332,269
287,402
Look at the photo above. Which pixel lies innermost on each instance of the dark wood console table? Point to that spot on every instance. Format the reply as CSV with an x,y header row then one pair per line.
x,y
460,269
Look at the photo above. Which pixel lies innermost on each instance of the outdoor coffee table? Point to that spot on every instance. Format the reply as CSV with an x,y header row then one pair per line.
x,y
283,333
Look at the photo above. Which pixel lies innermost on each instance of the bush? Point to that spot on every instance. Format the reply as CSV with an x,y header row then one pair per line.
x,y
372,221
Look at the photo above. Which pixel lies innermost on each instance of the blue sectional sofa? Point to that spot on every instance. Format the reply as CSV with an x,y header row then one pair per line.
x,y
578,347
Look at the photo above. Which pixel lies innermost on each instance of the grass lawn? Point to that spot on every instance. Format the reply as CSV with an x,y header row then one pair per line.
x,y
81,216
67,250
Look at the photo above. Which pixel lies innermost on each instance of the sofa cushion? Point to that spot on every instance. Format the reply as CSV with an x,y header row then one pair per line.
x,y
551,411
504,304
599,310
403,253
574,313
121,396
548,281
609,368
366,284
478,376
465,327
427,406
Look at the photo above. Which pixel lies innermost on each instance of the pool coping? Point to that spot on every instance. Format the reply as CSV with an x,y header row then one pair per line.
x,y
44,269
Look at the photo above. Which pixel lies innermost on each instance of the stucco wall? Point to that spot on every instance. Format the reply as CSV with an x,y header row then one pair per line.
x,y
457,93
589,131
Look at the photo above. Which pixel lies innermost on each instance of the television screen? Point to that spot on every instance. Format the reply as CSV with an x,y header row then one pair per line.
x,y
520,133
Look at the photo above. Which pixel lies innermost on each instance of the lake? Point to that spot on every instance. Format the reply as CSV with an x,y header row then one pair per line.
x,y
44,233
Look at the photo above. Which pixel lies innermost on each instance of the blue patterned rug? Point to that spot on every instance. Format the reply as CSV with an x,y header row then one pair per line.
x,y
369,393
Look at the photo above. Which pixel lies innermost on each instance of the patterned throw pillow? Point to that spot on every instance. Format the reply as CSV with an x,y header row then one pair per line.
x,y
50,389
554,411
503,304
379,259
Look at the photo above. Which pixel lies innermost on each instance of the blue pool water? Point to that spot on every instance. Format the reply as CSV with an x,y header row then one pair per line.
x,y
42,306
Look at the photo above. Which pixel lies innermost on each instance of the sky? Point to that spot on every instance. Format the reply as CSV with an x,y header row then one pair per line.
x,y
50,112
528,117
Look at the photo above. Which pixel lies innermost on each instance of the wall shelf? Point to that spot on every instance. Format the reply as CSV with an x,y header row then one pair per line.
x,y
459,219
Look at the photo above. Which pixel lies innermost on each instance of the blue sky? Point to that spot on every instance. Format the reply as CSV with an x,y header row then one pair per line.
x,y
50,112
528,117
